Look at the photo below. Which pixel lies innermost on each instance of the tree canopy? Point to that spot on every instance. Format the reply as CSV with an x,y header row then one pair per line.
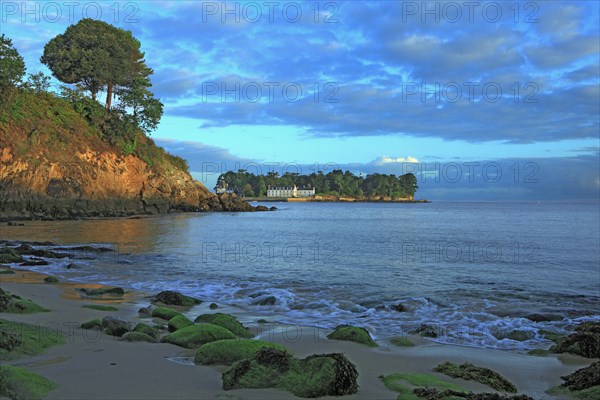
x,y
12,66
336,183
96,56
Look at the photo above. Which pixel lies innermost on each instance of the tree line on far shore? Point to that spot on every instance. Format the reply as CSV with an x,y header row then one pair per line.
x,y
334,183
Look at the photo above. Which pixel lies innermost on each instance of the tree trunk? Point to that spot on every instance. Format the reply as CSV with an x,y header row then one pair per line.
x,y
94,96
109,93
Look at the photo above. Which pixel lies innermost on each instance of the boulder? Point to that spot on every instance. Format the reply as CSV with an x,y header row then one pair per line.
x,y
266,301
585,341
172,298
228,322
315,376
426,330
178,322
146,329
195,336
137,337
115,326
100,292
352,334
229,351
583,378
165,313
9,255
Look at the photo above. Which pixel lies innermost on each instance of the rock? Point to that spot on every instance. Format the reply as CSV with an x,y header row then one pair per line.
x,y
137,337
543,317
583,378
273,208
516,335
228,351
478,374
33,262
262,208
27,250
147,310
115,326
426,330
228,322
165,313
213,306
437,394
195,336
315,376
93,324
398,307
51,279
172,298
266,301
352,334
178,322
9,255
99,292
585,341
146,329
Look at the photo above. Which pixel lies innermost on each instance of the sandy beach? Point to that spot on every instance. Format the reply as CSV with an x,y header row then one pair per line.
x,y
94,365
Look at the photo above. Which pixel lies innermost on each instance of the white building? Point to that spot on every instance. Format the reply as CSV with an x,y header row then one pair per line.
x,y
289,191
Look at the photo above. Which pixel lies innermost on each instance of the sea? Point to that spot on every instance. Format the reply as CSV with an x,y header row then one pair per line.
x,y
482,274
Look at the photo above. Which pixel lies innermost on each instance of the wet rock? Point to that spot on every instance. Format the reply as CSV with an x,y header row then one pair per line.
x,y
516,334
33,262
398,307
352,334
9,255
426,330
543,317
583,378
266,301
478,374
99,292
585,341
115,326
172,298
315,376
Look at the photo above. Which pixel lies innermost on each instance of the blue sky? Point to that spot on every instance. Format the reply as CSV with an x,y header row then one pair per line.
x,y
462,89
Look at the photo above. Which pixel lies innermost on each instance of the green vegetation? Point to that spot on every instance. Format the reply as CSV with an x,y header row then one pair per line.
x,y
195,336
165,313
178,322
92,324
147,329
92,57
100,307
336,183
171,298
99,292
592,393
137,337
231,350
479,374
9,255
13,304
19,384
314,376
18,339
585,341
406,383
51,279
227,322
352,334
402,342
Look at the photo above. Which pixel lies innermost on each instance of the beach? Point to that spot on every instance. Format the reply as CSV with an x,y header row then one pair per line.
x,y
94,365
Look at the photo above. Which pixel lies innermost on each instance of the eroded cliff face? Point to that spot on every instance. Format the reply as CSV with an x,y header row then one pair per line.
x,y
98,184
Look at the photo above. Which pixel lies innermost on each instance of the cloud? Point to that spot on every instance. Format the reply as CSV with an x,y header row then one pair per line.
x,y
387,160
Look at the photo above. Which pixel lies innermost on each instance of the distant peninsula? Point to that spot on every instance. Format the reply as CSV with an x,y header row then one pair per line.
x,y
335,186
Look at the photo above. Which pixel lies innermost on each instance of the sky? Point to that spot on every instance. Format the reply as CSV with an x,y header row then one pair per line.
x,y
483,100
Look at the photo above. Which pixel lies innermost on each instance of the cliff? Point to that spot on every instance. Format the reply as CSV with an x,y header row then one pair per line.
x,y
55,165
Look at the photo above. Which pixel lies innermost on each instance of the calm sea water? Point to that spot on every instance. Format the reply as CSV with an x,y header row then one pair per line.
x,y
473,270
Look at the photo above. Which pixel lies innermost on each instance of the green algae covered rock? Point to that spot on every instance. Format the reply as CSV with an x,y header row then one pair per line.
x,y
585,341
13,304
92,324
172,298
352,334
146,329
231,350
51,279
315,376
165,313
479,374
402,342
19,339
178,322
137,337
19,383
583,378
115,326
195,336
227,322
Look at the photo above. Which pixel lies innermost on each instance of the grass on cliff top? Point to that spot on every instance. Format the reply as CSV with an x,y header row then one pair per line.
x,y
45,126
405,383
18,383
19,340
